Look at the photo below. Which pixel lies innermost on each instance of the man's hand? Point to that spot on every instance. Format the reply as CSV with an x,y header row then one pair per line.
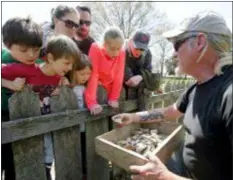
x,y
96,109
125,119
134,81
18,84
153,170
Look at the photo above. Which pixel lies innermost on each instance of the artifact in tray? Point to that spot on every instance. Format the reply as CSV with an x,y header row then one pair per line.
x,y
142,141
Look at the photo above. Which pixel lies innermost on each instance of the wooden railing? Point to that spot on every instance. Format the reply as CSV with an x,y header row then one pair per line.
x,y
27,127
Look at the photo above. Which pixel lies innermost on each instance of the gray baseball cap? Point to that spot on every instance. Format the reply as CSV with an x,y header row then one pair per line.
x,y
141,40
206,22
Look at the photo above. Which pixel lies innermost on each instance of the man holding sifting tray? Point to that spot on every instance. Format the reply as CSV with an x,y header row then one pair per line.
x,y
203,45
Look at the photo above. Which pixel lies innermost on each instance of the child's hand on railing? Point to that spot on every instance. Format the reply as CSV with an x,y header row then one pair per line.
x,y
64,82
113,104
56,92
18,84
96,109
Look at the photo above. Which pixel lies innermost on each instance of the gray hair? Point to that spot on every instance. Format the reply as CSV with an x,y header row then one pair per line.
x,y
112,32
222,44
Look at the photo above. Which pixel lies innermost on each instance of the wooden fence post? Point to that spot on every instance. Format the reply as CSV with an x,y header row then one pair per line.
x,y
183,84
67,148
116,171
168,88
28,153
97,167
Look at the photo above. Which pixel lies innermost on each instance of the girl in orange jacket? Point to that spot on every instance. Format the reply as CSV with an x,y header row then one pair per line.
x,y
108,61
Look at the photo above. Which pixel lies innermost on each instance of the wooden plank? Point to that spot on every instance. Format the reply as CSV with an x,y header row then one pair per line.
x,y
165,127
117,134
31,126
28,153
23,128
167,100
101,95
131,93
115,170
123,95
166,96
64,101
121,108
106,147
119,156
97,167
167,87
158,105
67,152
169,145
143,98
67,148
122,103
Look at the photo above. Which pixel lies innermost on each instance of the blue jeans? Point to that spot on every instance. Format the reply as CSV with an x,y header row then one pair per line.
x,y
176,164
48,148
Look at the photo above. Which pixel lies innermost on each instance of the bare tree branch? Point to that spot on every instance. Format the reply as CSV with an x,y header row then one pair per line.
x,y
129,16
132,16
163,47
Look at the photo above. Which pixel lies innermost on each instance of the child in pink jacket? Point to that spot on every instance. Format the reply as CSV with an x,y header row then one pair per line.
x,y
108,61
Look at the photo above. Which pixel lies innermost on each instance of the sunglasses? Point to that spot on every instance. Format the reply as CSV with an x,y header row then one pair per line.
x,y
88,23
70,24
139,49
178,43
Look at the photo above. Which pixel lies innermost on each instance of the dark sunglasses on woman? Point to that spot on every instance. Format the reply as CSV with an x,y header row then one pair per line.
x,y
70,24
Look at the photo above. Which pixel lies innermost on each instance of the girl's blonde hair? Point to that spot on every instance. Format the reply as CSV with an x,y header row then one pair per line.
x,y
112,32
80,64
